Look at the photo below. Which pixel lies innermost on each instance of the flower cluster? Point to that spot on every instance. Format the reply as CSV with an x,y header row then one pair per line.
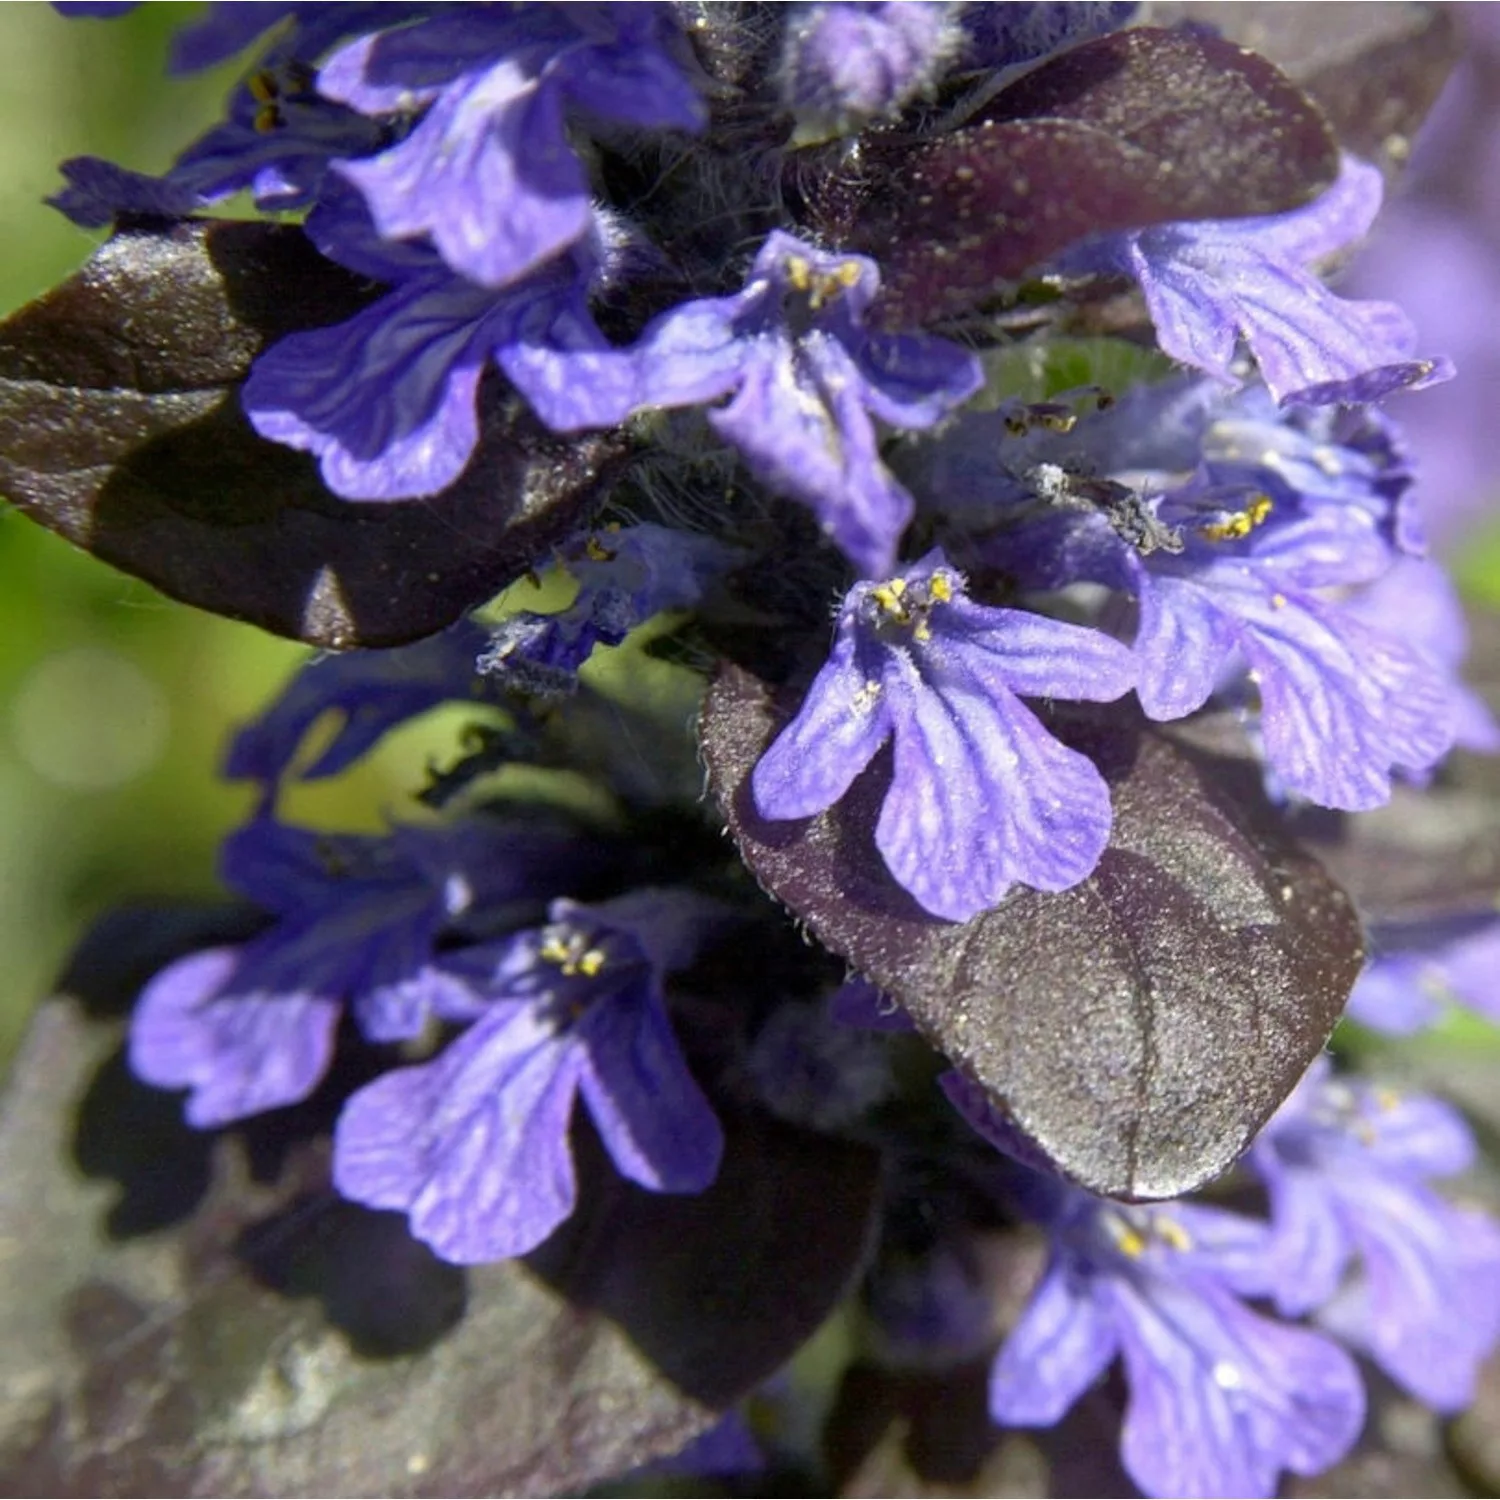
x,y
1058,561
1223,1398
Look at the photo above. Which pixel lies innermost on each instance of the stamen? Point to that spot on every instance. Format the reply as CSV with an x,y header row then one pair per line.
x,y
571,952
1241,523
1171,1233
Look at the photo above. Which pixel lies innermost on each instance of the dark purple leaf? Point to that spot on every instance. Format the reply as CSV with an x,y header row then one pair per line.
x,y
121,429
1374,69
929,1433
1139,127
1138,1029
276,1341
719,1290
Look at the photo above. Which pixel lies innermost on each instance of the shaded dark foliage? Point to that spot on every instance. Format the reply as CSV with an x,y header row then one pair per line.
x,y
121,430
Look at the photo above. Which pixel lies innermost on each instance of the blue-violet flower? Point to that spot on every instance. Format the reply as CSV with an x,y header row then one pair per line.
x,y
1346,1164
983,796
473,1146
806,376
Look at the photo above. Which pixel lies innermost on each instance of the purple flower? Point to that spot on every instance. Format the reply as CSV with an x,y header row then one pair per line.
x,y
1416,600
489,173
388,401
1443,267
982,796
1238,532
1210,283
357,922
98,190
473,1146
277,143
1221,1399
1346,1165
241,1045
96,10
624,577
806,376
1406,987
844,65
1341,705
371,691
229,27
1398,993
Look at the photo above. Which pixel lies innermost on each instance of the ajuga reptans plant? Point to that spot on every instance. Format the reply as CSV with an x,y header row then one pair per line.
x,y
950,404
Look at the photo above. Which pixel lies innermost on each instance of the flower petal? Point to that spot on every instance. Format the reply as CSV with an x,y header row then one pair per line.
x,y
653,1118
843,721
1221,1400
472,1146
386,400
488,173
241,1052
1063,1343
983,797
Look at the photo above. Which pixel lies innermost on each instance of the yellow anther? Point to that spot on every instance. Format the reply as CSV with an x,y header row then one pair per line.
x,y
262,85
888,597
1231,530
267,119
1058,421
940,587
597,551
1278,601
1241,523
1171,1233
798,273
1130,1243
571,956
1387,1099
847,274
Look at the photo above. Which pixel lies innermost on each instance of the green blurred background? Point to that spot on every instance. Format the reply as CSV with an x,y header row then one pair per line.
x,y
115,702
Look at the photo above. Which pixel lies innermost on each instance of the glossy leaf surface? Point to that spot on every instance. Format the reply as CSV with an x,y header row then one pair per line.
x,y
1135,128
121,429
1374,69
1136,1030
